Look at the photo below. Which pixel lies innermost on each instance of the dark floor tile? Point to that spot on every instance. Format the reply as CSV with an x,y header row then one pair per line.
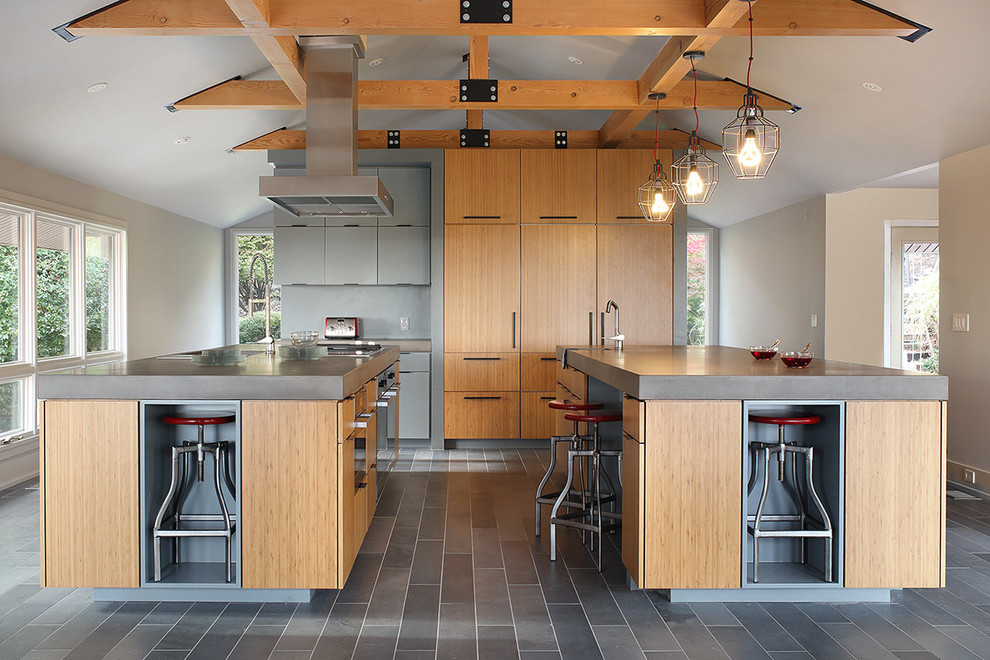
x,y
274,614
221,638
574,635
294,655
812,637
401,548
821,613
532,620
47,606
688,630
857,642
458,535
339,637
738,643
491,597
140,641
25,640
714,614
420,619
167,655
617,643
361,582
427,563
596,597
257,642
308,621
972,639
925,608
518,561
376,642
791,655
433,523
487,550
458,635
555,580
379,531
111,631
890,636
643,619
924,633
79,627
764,627
958,608
166,613
388,598
457,582
496,643
539,655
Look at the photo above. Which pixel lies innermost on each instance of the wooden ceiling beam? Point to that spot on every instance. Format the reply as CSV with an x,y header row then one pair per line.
x,y
512,95
529,17
477,68
281,51
450,139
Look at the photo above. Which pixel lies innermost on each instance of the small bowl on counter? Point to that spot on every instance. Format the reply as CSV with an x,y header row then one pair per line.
x,y
302,352
301,338
763,352
797,359
219,357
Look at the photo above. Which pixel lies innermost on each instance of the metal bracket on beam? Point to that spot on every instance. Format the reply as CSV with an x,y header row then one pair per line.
x,y
560,139
478,90
475,137
485,11
392,138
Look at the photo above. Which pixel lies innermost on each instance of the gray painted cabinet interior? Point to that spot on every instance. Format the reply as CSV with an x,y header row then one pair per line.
x,y
403,255
414,396
410,188
299,255
351,255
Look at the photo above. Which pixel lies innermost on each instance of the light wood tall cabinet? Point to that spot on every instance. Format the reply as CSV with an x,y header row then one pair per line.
x,y
90,510
558,186
620,173
481,186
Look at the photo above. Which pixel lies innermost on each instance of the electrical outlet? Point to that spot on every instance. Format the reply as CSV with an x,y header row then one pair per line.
x,y
960,322
969,476
403,323
814,320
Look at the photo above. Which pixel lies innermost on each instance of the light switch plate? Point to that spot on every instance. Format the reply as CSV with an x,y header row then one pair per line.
x,y
814,320
960,322
403,323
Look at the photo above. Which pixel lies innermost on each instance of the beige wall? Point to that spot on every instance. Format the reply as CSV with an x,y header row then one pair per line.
x,y
854,266
174,264
772,278
964,233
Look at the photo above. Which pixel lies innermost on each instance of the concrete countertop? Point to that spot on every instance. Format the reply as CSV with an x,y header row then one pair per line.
x,y
722,372
259,377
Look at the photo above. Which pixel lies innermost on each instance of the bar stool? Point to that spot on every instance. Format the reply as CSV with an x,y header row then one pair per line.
x,y
591,518
575,441
177,489
782,448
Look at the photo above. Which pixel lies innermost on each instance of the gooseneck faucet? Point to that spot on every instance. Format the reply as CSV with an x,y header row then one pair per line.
x,y
619,337
268,341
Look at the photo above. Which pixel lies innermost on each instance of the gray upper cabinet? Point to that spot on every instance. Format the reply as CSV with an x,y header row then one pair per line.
x,y
285,219
410,188
351,255
355,220
299,255
404,255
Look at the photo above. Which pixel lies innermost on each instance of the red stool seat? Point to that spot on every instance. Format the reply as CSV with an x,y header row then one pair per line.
x,y
203,420
568,404
595,418
785,421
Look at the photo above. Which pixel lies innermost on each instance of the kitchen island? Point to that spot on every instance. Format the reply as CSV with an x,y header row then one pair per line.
x,y
688,503
305,489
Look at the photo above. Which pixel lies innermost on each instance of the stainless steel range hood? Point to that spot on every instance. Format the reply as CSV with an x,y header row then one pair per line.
x,y
331,185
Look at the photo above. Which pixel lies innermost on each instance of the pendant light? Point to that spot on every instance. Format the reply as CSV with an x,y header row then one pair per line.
x,y
656,196
750,141
694,174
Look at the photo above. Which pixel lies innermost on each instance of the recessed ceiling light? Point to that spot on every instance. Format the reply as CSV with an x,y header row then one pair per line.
x,y
182,140
873,87
376,61
97,87
574,60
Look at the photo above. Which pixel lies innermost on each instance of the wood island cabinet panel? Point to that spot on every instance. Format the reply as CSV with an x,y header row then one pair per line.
x,y
288,522
481,414
489,372
481,186
895,475
558,186
536,419
692,541
620,174
635,269
538,372
633,488
558,286
481,288
91,512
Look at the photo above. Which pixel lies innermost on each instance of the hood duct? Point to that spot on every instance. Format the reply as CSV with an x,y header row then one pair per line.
x,y
331,185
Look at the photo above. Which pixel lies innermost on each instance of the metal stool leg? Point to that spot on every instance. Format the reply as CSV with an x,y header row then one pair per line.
x,y
809,462
545,480
216,451
556,506
759,514
157,541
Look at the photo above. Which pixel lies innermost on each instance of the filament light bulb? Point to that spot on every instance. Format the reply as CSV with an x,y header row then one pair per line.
x,y
659,205
694,185
750,155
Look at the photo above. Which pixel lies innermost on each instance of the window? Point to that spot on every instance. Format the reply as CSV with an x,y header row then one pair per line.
x,y
248,295
62,304
698,289
912,309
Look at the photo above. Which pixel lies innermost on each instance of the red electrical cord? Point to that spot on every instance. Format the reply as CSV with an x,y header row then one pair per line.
x,y
750,67
656,138
697,121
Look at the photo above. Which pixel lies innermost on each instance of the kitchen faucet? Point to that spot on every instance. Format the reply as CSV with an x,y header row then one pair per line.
x,y
619,337
268,341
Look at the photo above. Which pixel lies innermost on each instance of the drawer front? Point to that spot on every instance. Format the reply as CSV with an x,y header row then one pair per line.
x,y
538,372
480,372
633,417
481,414
573,380
346,411
414,362
536,420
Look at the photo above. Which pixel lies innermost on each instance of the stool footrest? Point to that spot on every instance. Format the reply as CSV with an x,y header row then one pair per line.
x,y
182,533
792,533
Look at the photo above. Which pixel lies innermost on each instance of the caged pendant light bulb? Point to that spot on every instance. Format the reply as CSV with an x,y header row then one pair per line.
x,y
750,141
694,174
656,196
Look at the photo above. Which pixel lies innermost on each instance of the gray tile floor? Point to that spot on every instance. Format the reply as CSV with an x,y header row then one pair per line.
x,y
450,569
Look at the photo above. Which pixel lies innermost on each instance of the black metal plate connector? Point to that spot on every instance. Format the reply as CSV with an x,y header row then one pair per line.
x,y
475,137
478,90
560,139
485,11
392,139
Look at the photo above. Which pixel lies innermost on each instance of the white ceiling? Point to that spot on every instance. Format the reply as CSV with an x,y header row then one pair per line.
x,y
123,140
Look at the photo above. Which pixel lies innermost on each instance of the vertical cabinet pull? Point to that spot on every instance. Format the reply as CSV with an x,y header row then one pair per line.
x,y
513,329
591,328
603,329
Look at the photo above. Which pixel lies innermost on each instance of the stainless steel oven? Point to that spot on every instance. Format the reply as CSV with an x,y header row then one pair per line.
x,y
387,407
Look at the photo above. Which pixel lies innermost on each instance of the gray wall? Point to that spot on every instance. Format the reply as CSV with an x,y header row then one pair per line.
x,y
964,234
772,278
378,307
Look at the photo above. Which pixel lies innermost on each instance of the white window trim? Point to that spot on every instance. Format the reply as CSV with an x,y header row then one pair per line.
x,y
711,283
888,227
233,313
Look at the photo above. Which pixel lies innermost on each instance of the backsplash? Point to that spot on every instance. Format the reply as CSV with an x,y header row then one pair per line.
x,y
378,307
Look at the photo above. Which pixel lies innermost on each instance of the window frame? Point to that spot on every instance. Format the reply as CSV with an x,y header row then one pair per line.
x,y
711,282
233,293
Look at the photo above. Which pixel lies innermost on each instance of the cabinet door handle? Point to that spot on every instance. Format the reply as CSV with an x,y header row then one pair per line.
x,y
482,359
591,328
628,217
546,359
482,398
603,329
482,217
513,329
547,398
558,217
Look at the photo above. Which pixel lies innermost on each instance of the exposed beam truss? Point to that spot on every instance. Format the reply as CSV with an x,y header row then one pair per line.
x,y
512,95
529,17
477,69
296,139
281,51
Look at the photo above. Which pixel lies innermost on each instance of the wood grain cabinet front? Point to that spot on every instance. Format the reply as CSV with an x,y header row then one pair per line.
x,y
488,372
481,186
481,414
536,419
90,511
558,186
620,173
